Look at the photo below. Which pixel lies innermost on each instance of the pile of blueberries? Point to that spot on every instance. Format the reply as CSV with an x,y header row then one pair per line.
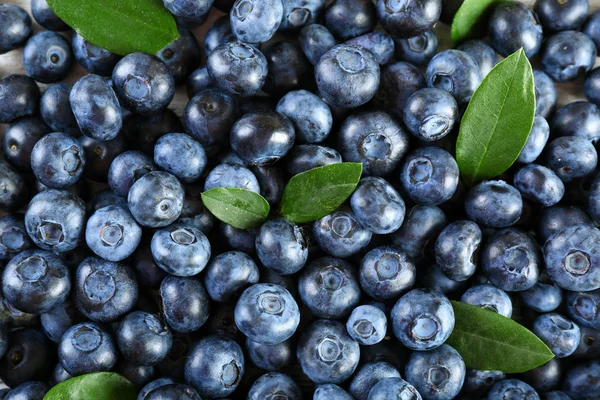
x,y
111,262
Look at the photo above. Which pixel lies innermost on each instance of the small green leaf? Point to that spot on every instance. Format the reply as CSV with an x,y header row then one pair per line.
x,y
497,121
120,26
239,208
97,386
489,341
471,19
316,193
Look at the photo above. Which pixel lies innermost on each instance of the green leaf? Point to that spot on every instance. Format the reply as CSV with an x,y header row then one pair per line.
x,y
471,19
497,121
239,208
97,386
120,26
488,341
316,193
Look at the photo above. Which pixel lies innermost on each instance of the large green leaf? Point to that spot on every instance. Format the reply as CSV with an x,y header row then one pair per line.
x,y
96,386
237,207
471,19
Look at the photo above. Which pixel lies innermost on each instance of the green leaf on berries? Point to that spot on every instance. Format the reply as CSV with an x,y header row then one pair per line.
x,y
498,120
471,19
121,27
316,193
489,341
240,208
97,386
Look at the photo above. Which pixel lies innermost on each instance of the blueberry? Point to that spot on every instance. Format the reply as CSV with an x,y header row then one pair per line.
x,y
197,81
14,191
347,76
327,354
273,385
19,96
347,19
308,156
386,272
582,307
214,366
35,281
571,157
13,236
188,8
267,313
367,325
558,15
153,385
60,375
418,49
543,296
512,388
288,68
180,250
209,116
489,298
592,28
86,348
420,228
44,16
430,113
456,72
398,82
229,175
437,374
104,291
390,388
173,391
56,321
513,26
184,302
309,114
254,21
408,18
55,109
299,13
331,391
55,220
180,155
16,27
536,141
28,357
568,55
19,139
591,87
96,108
112,233
219,32
368,375
579,118
555,395
495,204
93,58
142,131
281,246
182,55
47,57
561,335
479,382
545,377
238,68
32,390
143,339
138,375
271,357
545,94
555,218
340,234
156,199
377,205
434,278
315,40
57,160
239,239
589,345
375,139
381,45
581,382
456,249
127,168
228,274
483,54
539,184
143,83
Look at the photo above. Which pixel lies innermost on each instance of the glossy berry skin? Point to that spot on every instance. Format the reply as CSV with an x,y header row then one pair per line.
x,y
429,175
142,131
13,237
398,81
539,184
582,307
104,290
209,116
57,160
308,156
228,274
143,339
112,233
230,175
143,83
127,168
96,108
27,357
182,55
35,281
377,206
20,96
56,321
347,76
180,250
18,141
456,72
197,81
422,319
430,113
327,354
156,199
153,385
421,225
271,357
347,19
331,391
374,139
214,366
592,28
513,26
542,297
489,297
456,249
267,313
560,334
591,87
55,220
237,68
340,234
483,54
386,272
556,218
288,68
315,40
185,304
510,387
408,19
581,381
545,93
47,57
309,114
556,15
44,16
16,27
434,278
87,347
173,391
545,377
368,375
239,239
32,390
93,58
418,49
438,374
579,118
55,109
180,155
188,8
275,384
390,388
299,13
329,288
538,137
479,382
14,193
367,325
568,55
254,21
281,246
571,157
381,45
495,204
